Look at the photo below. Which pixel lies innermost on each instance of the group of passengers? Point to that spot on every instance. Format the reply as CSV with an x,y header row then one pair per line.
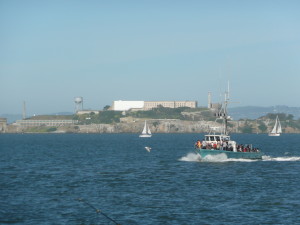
x,y
247,148
224,146
215,145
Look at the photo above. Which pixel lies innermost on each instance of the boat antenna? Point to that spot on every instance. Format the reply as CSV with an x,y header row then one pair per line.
x,y
98,210
228,91
223,113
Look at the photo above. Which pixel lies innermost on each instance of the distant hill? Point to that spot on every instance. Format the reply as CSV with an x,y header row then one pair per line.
x,y
246,112
51,117
11,118
62,114
254,112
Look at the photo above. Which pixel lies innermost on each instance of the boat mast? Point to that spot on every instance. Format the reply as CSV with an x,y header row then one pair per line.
x,y
223,112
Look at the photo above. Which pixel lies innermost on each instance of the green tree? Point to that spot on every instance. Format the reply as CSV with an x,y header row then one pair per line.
x,y
109,117
105,108
155,124
290,117
262,127
247,128
75,117
51,129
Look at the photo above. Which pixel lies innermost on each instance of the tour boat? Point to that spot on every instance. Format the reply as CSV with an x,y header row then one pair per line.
x,y
218,143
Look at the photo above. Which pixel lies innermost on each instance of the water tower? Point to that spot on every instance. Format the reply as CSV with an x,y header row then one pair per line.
x,y
78,104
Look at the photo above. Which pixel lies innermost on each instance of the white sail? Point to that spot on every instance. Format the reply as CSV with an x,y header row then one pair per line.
x,y
278,126
146,131
276,131
149,131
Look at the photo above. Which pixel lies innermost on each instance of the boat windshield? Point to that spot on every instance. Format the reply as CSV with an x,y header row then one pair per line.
x,y
209,138
216,138
212,138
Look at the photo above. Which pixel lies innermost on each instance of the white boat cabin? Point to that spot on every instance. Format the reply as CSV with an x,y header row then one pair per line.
x,y
219,139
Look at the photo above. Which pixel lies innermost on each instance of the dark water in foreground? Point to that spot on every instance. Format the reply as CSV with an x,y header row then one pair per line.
x,y
42,176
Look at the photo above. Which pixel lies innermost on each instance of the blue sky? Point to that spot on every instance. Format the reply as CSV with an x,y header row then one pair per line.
x,y
53,51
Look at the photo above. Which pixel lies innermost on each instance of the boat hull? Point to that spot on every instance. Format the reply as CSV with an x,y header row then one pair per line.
x,y
230,155
145,135
274,135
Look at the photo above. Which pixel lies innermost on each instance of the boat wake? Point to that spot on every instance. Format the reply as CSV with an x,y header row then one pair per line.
x,y
281,159
191,157
194,157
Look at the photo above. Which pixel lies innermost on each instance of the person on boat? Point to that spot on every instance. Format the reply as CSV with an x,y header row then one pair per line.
x,y
203,144
198,144
246,148
239,148
215,146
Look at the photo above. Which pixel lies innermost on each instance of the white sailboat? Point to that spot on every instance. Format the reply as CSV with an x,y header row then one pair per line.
x,y
276,129
146,131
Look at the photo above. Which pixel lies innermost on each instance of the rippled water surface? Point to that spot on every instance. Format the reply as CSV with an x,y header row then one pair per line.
x,y
42,176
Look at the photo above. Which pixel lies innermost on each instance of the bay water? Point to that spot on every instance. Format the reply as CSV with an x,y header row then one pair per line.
x,y
64,178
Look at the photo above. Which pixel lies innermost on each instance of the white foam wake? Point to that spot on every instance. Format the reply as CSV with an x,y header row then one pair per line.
x,y
194,157
223,158
191,157
281,159
215,158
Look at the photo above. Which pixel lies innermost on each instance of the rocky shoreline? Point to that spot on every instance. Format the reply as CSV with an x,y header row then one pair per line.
x,y
156,126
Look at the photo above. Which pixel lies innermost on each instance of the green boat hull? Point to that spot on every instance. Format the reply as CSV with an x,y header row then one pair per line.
x,y
230,155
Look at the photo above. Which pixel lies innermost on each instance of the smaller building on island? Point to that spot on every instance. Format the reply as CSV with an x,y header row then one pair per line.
x,y
3,125
50,123
46,120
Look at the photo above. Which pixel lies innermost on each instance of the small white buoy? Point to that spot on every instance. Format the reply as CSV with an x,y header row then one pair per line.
x,y
148,148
